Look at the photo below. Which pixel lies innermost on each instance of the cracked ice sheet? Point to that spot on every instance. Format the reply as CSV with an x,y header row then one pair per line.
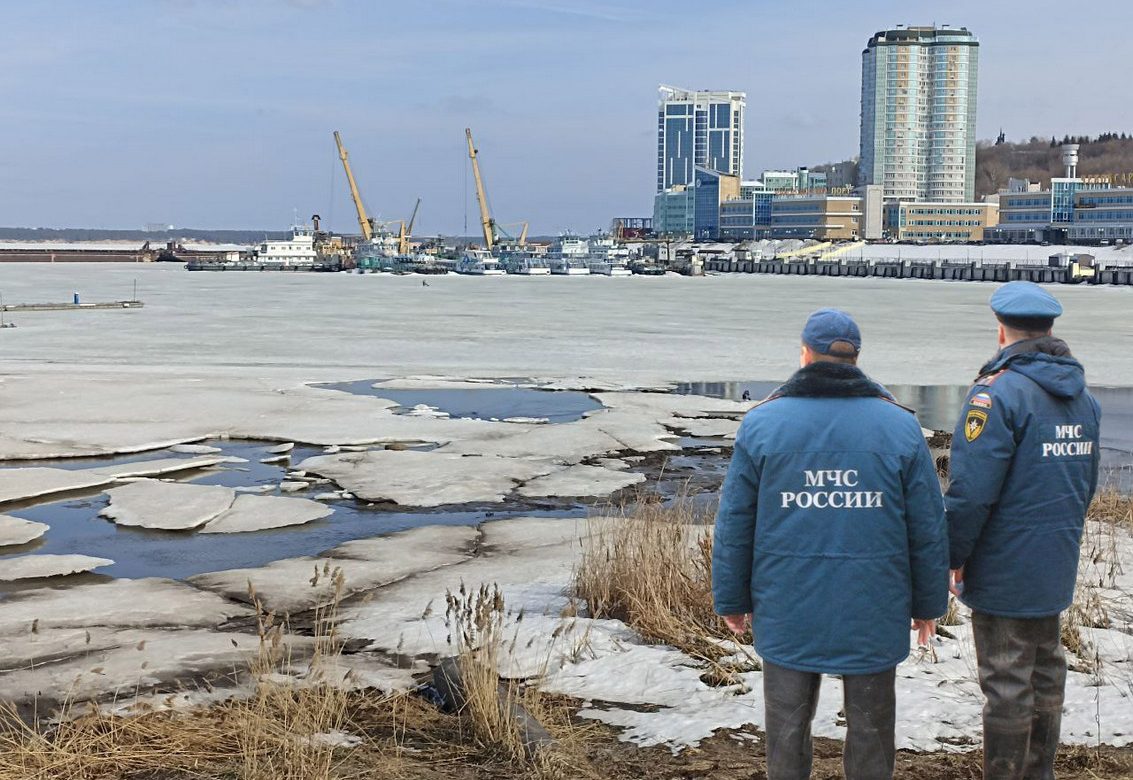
x,y
578,481
530,559
130,659
256,513
169,506
286,585
94,417
426,479
143,603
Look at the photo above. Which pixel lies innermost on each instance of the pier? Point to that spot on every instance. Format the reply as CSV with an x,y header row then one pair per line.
x,y
71,306
954,270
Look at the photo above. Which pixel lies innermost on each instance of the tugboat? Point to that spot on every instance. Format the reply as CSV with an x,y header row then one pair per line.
x,y
569,256
479,262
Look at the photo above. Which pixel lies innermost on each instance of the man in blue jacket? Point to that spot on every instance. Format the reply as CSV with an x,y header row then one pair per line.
x,y
1024,468
830,536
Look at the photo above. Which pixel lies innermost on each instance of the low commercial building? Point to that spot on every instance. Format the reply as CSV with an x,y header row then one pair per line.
x,y
821,217
1102,215
802,180
749,216
673,211
694,210
939,222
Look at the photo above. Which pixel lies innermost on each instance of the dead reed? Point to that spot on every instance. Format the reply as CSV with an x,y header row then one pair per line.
x,y
652,569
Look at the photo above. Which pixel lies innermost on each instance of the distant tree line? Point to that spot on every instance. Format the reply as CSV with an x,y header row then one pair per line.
x,y
1040,159
156,237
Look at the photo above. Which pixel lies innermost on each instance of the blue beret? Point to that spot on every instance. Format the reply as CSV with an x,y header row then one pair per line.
x,y
1025,300
827,326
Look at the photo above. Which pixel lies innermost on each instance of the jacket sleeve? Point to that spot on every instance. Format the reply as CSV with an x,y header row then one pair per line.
x,y
928,536
734,538
983,447
1096,461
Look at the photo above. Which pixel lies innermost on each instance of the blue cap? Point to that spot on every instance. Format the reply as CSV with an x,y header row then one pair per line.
x,y
1024,300
827,326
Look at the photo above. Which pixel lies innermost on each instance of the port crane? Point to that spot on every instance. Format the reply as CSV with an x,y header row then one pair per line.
x,y
406,233
488,224
364,221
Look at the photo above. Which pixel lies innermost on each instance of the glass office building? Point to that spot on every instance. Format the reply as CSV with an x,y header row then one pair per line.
x,y
698,129
918,117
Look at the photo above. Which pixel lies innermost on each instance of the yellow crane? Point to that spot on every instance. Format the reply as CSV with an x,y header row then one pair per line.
x,y
487,224
363,220
406,233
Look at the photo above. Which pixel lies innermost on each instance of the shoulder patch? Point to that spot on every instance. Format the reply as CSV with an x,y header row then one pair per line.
x,y
987,380
981,400
974,424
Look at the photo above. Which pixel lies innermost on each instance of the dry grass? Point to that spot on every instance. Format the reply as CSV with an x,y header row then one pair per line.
x,y
652,569
284,727
1110,514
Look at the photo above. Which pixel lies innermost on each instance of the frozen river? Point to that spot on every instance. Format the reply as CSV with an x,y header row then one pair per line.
x,y
643,330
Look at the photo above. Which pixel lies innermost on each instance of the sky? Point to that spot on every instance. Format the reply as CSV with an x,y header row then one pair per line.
x,y
220,113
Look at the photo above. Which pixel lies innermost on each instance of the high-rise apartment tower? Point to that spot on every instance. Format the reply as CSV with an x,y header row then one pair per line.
x,y
918,132
696,128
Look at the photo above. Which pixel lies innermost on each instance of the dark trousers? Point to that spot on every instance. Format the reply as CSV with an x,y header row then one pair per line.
x,y
790,699
1022,669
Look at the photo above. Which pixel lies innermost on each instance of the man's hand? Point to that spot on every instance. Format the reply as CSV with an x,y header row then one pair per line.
x,y
738,623
956,584
926,630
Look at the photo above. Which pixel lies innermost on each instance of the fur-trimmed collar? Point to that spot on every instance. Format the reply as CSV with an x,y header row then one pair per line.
x,y
1044,345
831,380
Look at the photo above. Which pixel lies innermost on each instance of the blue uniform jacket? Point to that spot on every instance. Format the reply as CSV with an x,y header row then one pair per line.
x,y
831,526
1024,468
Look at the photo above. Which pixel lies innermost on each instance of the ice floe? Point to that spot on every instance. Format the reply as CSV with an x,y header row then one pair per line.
x,y
16,530
256,513
36,482
195,449
297,584
169,506
581,480
31,567
426,479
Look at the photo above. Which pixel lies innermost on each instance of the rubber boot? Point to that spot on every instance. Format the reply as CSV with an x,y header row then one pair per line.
x,y
1045,729
1005,751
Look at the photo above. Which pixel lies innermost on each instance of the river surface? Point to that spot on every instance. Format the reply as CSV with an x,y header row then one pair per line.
x,y
632,330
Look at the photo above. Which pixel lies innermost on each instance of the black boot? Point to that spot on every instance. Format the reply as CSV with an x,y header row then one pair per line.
x,y
1045,729
1005,751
